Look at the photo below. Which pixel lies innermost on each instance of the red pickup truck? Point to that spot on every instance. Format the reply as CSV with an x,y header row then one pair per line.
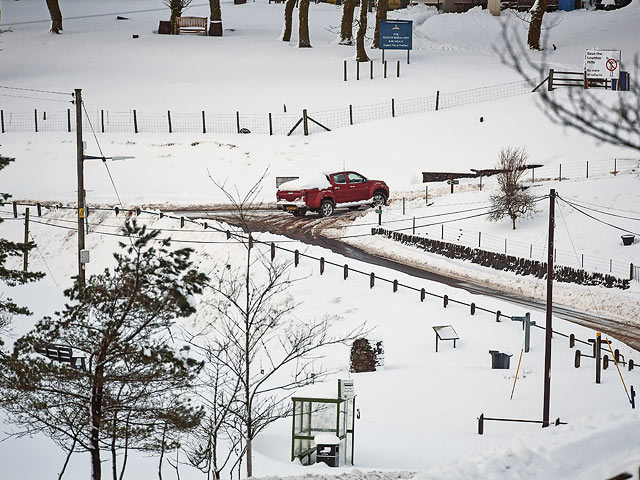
x,y
326,192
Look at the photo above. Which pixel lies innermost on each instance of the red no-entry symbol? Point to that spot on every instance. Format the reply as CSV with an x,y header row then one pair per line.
x,y
612,64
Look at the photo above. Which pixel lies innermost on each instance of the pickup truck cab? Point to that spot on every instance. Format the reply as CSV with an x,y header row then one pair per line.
x,y
326,192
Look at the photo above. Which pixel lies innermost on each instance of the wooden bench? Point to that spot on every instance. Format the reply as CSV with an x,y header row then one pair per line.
x,y
427,3
190,25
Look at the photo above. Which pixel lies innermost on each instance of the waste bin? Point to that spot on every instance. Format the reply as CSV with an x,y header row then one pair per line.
x,y
499,360
627,239
327,449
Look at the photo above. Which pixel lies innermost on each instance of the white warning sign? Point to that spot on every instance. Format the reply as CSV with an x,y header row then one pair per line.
x,y
602,64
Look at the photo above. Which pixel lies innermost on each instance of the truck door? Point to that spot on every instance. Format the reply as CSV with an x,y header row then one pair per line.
x,y
358,187
340,187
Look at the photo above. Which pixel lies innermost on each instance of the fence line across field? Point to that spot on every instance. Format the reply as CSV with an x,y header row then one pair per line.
x,y
133,121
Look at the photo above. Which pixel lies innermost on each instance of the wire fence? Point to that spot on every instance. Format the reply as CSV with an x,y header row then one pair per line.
x,y
242,237
132,121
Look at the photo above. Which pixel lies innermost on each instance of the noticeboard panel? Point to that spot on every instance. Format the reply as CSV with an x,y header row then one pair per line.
x,y
396,34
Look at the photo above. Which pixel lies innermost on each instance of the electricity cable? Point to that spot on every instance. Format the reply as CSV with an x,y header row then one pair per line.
x,y
43,259
36,90
36,98
597,219
637,219
101,154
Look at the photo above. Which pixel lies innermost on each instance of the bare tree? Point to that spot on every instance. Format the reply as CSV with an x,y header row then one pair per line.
x,y
288,20
263,338
56,16
361,53
535,25
346,26
303,25
381,14
511,200
177,7
612,118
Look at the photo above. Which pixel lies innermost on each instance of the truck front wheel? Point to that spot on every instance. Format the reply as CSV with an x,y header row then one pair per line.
x,y
326,208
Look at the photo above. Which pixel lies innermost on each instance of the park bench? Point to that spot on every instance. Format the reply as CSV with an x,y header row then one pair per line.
x,y
190,25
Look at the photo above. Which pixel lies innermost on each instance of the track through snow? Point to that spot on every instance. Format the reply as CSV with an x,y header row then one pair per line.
x,y
612,315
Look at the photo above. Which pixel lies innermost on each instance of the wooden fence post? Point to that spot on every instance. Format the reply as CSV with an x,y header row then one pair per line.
x,y
550,82
345,70
422,294
473,308
350,114
68,119
238,121
395,286
372,280
296,257
479,238
321,265
305,122
393,107
371,69
357,70
169,118
25,265
398,69
445,301
631,271
346,271
385,69
587,168
437,99
204,123
498,313
2,120
270,125
135,122
273,251
39,207
35,118
102,120
15,210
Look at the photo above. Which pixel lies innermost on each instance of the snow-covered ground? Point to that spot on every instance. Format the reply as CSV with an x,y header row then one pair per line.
x,y
419,413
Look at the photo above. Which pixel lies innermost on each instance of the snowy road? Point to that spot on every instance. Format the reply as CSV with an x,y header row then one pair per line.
x,y
311,230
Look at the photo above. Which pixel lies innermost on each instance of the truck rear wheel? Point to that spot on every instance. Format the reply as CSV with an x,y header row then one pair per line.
x,y
326,208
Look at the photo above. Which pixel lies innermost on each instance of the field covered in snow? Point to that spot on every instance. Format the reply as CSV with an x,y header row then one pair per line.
x,y
418,414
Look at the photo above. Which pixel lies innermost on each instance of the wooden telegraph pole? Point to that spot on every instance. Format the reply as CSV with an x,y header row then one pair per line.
x,y
80,170
548,331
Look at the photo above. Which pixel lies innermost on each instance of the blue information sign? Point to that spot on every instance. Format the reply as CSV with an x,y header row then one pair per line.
x,y
395,34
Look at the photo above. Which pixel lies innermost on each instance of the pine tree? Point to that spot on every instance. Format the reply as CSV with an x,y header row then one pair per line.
x,y
132,394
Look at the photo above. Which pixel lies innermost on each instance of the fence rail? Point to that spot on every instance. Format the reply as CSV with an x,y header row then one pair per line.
x,y
106,121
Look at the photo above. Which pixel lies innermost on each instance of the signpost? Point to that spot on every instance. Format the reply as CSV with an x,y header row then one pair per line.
x,y
602,64
396,35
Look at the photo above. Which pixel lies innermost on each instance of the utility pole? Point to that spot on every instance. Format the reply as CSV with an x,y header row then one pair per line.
x,y
549,329
80,169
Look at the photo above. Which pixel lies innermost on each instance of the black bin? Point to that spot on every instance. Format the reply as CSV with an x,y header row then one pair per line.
x,y
499,360
329,454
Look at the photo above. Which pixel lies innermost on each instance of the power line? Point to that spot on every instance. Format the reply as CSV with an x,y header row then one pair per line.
x,y
597,219
101,154
36,98
604,213
35,90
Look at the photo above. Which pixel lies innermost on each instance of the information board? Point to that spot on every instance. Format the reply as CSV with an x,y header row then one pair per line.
x,y
602,64
396,34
